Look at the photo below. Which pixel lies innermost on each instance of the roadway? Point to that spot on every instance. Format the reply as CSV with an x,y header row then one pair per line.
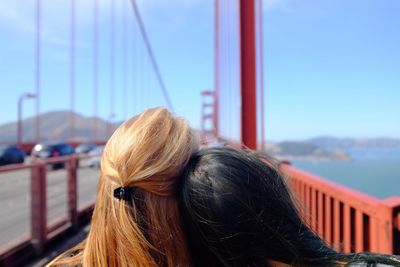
x,y
15,200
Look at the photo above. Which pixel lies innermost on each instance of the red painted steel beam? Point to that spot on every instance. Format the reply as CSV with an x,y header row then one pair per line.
x,y
328,220
38,207
248,73
72,173
359,228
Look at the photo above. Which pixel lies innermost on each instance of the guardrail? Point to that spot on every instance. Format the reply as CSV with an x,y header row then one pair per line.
x,y
348,220
42,229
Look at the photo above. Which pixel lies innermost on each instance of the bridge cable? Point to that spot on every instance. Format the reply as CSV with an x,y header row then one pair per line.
x,y
38,45
95,67
151,54
124,63
112,67
72,70
261,71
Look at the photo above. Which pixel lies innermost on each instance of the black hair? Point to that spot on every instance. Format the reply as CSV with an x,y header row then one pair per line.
x,y
238,211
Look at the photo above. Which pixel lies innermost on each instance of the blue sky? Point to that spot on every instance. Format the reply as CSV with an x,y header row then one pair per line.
x,y
331,67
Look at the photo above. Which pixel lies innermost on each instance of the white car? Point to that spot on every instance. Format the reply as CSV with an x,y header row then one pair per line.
x,y
95,156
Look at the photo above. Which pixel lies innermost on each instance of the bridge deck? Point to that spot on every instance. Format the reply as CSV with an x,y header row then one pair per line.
x,y
15,196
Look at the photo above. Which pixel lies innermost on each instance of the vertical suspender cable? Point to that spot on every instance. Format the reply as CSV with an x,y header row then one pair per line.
x,y
95,68
112,36
124,48
112,91
37,68
216,67
229,61
239,60
147,82
223,86
139,71
141,66
140,74
261,71
229,65
72,71
134,69
226,67
151,55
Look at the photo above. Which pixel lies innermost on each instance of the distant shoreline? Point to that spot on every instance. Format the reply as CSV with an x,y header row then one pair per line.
x,y
313,158
326,149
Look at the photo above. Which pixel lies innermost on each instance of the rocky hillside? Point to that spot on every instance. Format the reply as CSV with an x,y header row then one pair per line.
x,y
55,126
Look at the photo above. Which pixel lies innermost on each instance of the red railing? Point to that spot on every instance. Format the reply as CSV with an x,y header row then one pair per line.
x,y
346,219
44,229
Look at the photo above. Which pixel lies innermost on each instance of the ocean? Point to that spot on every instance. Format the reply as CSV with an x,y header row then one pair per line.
x,y
372,171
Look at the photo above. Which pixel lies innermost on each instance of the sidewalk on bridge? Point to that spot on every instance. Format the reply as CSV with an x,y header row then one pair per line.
x,y
59,248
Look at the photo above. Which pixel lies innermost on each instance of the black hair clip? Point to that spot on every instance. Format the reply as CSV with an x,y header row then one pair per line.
x,y
123,193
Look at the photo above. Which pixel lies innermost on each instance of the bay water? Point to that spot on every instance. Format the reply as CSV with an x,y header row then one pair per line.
x,y
372,171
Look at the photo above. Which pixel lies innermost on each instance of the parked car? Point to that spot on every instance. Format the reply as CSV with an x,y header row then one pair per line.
x,y
45,151
85,148
11,155
96,153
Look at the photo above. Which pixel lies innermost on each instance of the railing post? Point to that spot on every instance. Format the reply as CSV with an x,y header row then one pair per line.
x,y
396,232
38,206
385,229
320,222
314,209
374,234
381,230
308,206
392,206
359,228
346,228
72,166
328,220
336,225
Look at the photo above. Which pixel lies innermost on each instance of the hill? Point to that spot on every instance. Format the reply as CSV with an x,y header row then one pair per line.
x,y
304,150
55,126
329,142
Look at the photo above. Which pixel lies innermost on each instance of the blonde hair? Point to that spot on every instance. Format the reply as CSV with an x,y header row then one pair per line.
x,y
147,153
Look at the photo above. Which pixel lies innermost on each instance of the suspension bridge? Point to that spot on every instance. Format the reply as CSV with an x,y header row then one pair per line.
x,y
40,206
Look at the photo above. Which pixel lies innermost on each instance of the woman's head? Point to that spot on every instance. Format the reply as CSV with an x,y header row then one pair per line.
x,y
145,154
238,212
148,152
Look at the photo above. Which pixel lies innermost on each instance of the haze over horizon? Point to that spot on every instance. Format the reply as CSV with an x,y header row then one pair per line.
x,y
60,118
